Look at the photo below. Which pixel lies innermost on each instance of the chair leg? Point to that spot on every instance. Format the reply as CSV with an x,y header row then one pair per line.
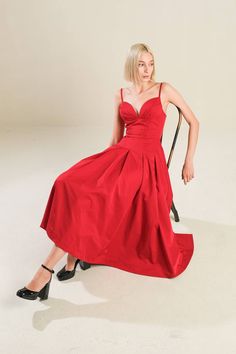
x,y
84,265
175,212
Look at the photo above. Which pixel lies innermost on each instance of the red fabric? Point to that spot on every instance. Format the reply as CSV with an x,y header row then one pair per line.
x,y
112,208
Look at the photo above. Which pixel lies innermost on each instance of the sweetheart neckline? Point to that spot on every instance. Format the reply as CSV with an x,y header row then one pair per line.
x,y
139,113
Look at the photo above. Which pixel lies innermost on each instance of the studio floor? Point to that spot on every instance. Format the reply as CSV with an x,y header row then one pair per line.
x,y
104,309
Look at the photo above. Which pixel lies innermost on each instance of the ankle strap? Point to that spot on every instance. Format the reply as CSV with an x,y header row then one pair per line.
x,y
50,270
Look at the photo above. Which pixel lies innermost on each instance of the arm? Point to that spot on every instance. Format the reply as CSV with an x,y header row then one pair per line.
x,y
118,123
173,96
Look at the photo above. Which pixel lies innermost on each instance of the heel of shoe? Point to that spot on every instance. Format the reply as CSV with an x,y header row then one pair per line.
x,y
84,265
43,293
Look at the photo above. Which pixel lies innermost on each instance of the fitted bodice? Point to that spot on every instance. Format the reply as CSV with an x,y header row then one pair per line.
x,y
144,128
148,122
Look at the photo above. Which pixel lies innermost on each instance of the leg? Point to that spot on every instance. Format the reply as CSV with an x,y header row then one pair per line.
x,y
42,275
70,262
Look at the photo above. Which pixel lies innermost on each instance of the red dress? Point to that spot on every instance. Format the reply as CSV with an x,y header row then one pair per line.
x,y
112,208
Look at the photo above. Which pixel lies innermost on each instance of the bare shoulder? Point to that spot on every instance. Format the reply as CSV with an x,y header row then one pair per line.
x,y
127,90
170,92
121,93
167,86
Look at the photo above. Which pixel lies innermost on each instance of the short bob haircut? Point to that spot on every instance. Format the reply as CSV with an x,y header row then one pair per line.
x,y
131,63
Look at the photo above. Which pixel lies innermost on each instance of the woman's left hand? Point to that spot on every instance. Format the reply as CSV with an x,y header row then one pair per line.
x,y
187,172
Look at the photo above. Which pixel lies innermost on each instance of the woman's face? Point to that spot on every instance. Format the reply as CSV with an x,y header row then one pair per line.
x,y
145,66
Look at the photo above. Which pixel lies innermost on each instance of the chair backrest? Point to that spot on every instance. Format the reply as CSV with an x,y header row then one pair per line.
x,y
175,137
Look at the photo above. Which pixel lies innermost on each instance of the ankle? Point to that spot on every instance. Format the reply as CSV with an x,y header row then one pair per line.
x,y
47,268
43,273
71,258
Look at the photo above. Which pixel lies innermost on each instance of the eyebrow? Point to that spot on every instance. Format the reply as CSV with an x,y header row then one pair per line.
x,y
144,61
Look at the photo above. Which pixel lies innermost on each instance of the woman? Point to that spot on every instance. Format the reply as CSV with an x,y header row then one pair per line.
x,y
112,208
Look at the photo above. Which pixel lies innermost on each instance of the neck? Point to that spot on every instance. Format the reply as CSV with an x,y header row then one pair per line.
x,y
143,86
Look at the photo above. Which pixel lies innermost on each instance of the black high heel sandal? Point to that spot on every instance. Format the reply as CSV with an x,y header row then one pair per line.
x,y
64,274
32,295
84,265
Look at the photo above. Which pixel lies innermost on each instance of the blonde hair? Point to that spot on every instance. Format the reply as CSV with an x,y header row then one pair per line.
x,y
131,63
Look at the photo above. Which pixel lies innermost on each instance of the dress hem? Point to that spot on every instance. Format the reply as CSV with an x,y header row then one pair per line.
x,y
128,267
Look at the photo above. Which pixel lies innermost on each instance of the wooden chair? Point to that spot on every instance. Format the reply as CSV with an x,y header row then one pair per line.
x,y
85,265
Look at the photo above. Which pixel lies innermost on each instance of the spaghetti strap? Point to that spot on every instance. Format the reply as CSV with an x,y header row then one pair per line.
x,y
160,90
121,94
